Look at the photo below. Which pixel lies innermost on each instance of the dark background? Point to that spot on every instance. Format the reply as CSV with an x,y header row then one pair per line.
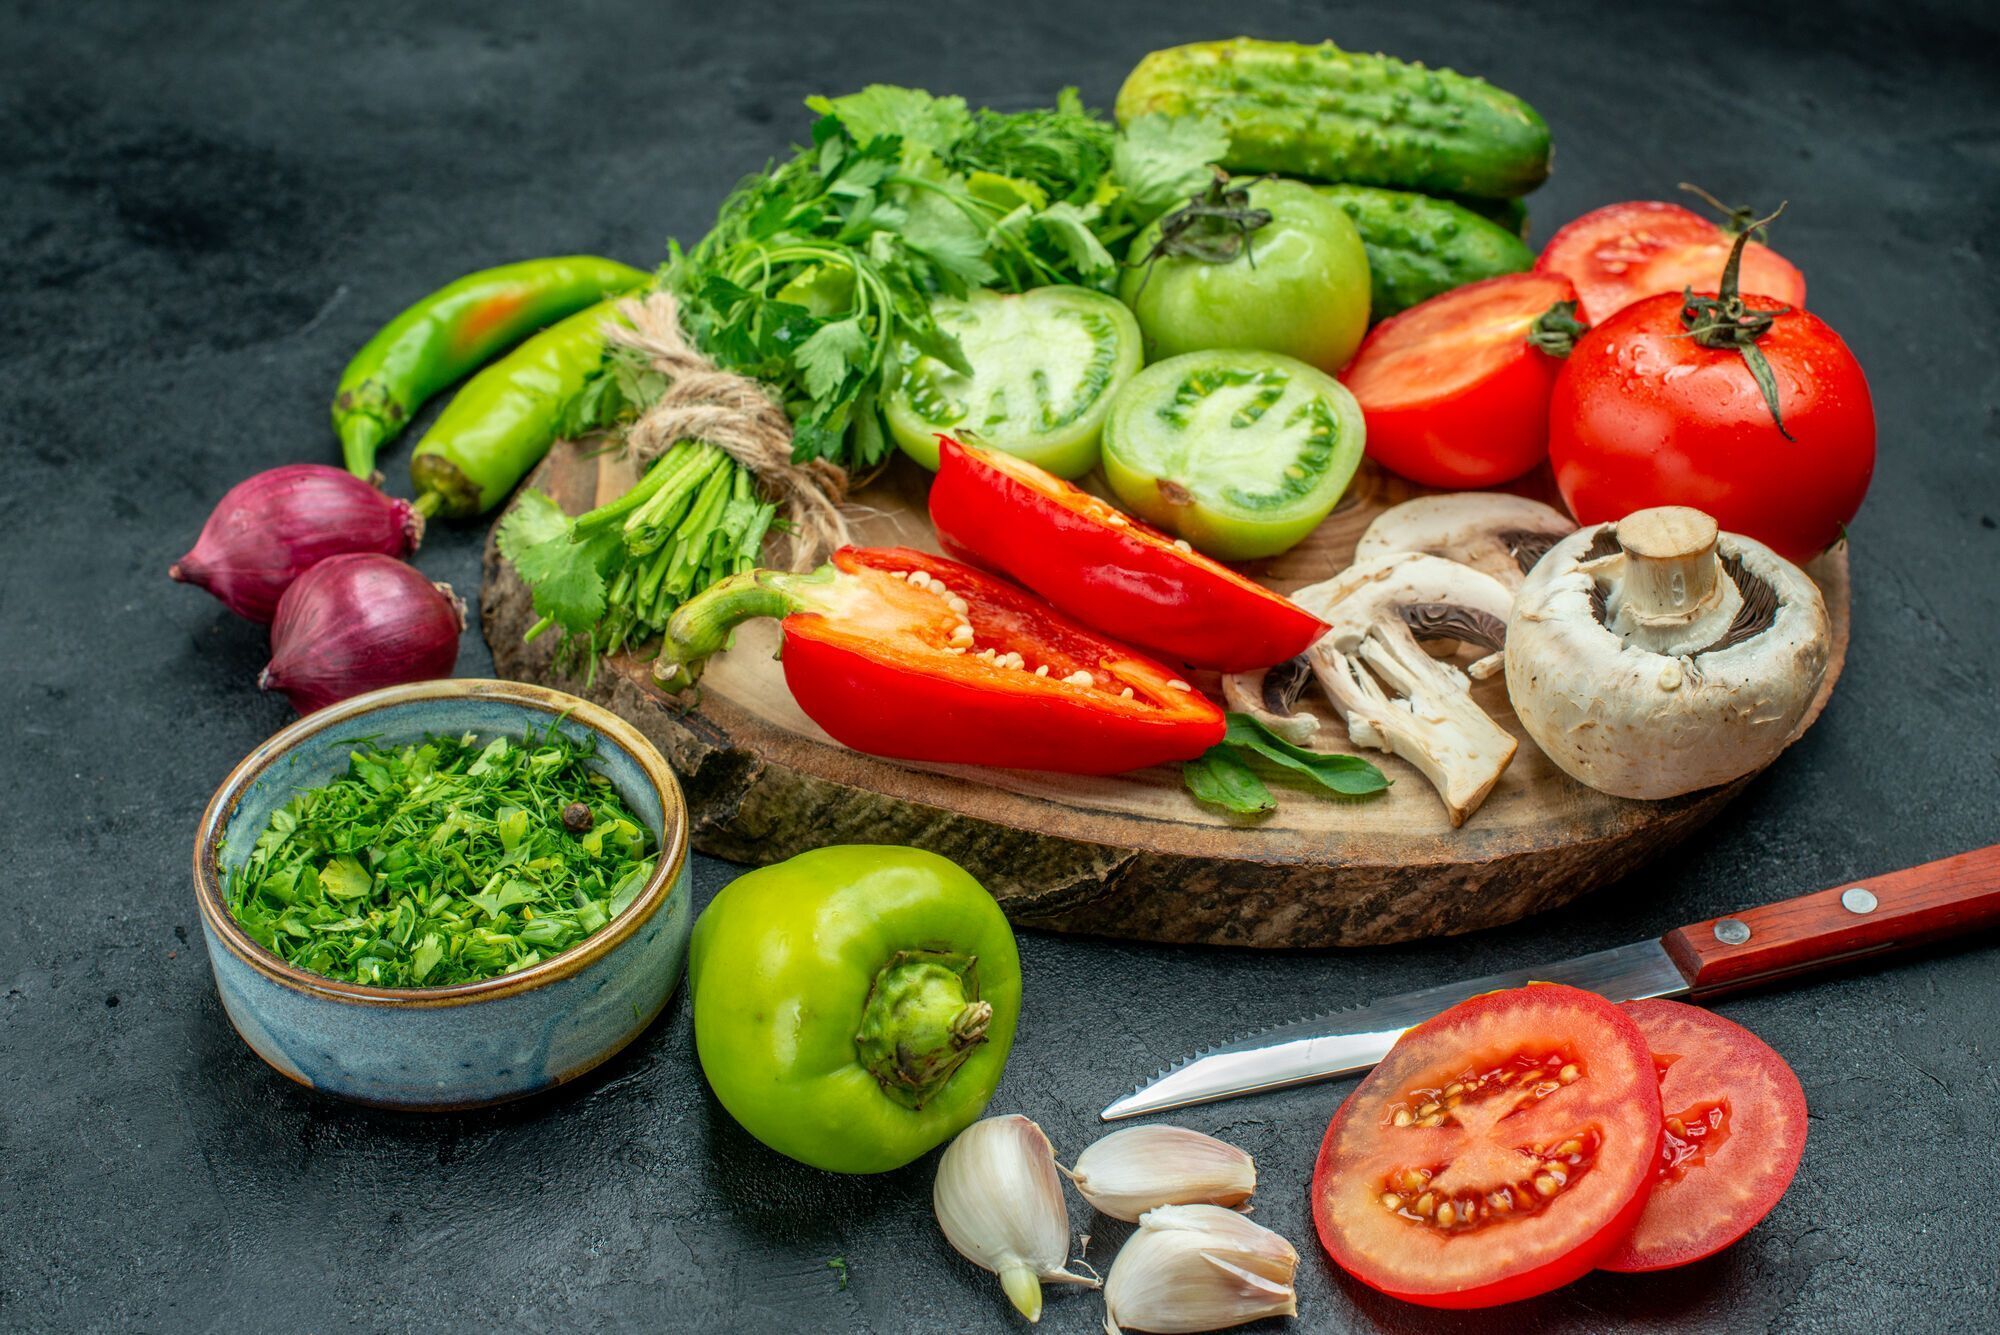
x,y
204,209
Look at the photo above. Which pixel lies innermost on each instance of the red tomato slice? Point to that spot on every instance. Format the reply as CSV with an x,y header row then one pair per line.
x,y
1735,1128
1453,392
1499,1151
1106,569
1622,252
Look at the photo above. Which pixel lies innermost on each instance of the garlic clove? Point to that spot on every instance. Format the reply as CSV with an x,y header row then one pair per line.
x,y
999,1200
1138,1168
1196,1268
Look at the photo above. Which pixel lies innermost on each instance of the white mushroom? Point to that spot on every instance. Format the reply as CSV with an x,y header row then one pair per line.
x,y
1657,656
1271,696
1495,532
1393,695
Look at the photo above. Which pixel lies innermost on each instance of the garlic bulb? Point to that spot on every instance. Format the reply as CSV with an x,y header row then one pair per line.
x,y
1198,1267
1134,1170
999,1201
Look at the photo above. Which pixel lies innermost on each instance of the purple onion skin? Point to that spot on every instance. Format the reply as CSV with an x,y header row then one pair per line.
x,y
357,622
269,529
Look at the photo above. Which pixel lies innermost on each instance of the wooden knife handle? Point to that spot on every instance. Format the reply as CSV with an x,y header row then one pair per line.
x,y
1949,897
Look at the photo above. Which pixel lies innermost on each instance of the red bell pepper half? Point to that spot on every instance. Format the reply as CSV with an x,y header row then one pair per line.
x,y
906,655
1107,569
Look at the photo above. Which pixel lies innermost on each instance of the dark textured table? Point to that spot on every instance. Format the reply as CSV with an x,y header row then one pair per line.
x,y
205,209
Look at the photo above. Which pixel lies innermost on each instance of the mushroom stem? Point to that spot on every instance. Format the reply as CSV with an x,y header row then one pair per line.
x,y
1670,594
1671,574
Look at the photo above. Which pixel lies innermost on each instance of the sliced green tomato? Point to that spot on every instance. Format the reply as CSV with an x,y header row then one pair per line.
x,y
1241,453
1045,365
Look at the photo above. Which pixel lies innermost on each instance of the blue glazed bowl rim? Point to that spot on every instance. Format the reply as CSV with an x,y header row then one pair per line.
x,y
208,875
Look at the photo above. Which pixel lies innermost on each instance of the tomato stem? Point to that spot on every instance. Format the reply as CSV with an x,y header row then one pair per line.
x,y
1726,321
1557,329
1213,227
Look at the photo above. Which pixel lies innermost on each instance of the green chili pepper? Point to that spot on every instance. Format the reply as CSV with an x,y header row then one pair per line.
x,y
452,331
501,424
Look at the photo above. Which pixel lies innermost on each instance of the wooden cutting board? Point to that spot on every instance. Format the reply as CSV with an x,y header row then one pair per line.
x,y
1132,856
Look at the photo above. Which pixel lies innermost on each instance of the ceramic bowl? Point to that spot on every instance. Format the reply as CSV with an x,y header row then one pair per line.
x,y
473,1043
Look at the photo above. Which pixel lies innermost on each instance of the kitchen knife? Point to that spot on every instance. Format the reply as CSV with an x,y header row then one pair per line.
x,y
1949,897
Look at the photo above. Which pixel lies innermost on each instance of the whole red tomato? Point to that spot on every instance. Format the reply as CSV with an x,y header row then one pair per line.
x,y
1645,414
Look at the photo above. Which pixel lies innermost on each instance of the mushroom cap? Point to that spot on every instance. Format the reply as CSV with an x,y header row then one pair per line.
x,y
1494,532
1635,723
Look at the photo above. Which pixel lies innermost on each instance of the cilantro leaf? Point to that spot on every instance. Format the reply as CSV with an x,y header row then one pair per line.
x,y
1067,228
927,125
1161,160
833,350
567,576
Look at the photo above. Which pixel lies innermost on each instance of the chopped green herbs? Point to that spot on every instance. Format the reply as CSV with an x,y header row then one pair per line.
x,y
1223,776
446,861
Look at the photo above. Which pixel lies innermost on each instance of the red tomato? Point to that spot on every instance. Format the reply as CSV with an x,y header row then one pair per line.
x,y
1622,252
1453,392
1644,415
1499,1151
1106,569
1735,1128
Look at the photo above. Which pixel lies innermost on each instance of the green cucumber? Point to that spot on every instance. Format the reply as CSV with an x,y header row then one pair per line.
x,y
1321,112
1419,247
1511,214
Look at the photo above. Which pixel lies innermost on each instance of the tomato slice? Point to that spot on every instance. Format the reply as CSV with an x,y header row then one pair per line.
x,y
1045,366
1242,453
1118,574
1735,1130
1453,392
875,654
1500,1150
1622,252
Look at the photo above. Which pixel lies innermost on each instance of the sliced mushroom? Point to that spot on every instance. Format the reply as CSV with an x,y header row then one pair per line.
x,y
1393,695
1658,656
1496,532
1271,696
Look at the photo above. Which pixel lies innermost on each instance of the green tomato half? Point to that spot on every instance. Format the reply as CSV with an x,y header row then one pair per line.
x,y
1241,453
854,1006
1045,364
1298,287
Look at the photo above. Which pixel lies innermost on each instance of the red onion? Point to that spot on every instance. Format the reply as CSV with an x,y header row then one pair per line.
x,y
270,529
356,622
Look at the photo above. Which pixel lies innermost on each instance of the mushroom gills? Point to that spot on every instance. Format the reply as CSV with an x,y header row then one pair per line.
x,y
1393,695
1271,696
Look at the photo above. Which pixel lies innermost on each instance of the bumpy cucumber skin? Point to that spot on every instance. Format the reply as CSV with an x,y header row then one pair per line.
x,y
1335,115
1511,214
1419,247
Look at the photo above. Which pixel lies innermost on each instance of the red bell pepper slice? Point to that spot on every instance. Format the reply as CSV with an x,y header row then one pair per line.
x,y
1107,569
911,656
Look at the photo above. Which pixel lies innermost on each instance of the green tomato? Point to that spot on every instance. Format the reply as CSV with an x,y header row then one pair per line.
x,y
1299,285
1241,453
854,1006
1044,363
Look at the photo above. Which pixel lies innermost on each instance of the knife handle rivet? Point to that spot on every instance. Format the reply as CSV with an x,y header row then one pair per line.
x,y
1855,899
1732,931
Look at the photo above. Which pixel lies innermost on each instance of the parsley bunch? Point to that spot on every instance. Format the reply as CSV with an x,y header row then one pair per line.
x,y
442,862
818,269
817,277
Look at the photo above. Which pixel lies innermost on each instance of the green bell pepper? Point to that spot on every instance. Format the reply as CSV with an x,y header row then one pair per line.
x,y
854,1006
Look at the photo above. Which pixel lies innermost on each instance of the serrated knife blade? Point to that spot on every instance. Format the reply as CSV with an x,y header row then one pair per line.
x,y
1953,898
1323,1046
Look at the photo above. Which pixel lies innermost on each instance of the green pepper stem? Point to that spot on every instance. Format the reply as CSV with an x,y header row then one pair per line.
x,y
922,1020
360,438
700,628
427,503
